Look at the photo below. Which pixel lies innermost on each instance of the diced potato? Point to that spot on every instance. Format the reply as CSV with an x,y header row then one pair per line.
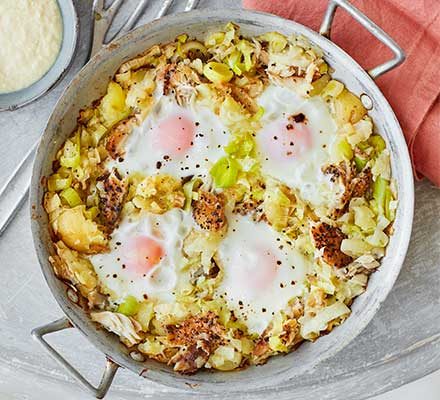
x,y
78,232
71,266
333,89
348,107
113,107
319,85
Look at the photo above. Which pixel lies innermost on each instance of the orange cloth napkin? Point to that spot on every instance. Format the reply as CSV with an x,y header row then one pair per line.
x,y
413,89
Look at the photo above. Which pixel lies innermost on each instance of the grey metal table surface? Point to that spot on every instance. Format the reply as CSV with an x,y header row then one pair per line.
x,y
401,344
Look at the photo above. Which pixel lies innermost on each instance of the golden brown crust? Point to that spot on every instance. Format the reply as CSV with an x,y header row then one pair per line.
x,y
361,184
209,211
181,80
329,238
197,337
117,136
354,185
111,199
261,351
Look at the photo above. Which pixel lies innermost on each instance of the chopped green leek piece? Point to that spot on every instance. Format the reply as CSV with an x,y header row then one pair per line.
x,y
92,213
377,142
188,189
182,38
276,344
193,45
129,307
214,39
277,41
240,146
344,150
389,213
258,115
98,132
379,193
360,163
246,49
71,196
225,172
234,62
56,183
217,72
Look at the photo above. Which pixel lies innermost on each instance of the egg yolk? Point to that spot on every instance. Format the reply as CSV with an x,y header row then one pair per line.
x,y
174,135
284,141
141,254
265,270
255,274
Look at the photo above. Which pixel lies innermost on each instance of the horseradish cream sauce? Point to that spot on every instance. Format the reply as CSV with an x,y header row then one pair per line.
x,y
31,32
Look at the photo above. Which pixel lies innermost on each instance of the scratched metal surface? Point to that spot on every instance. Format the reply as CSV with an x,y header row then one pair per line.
x,y
401,344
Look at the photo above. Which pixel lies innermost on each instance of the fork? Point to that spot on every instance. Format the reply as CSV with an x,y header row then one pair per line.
x,y
14,191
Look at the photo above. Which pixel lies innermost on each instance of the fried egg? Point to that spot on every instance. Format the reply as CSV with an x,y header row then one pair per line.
x,y
295,142
145,257
175,140
262,271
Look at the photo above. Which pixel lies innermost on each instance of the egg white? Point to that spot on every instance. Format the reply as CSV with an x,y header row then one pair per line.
x,y
302,172
253,296
169,230
143,155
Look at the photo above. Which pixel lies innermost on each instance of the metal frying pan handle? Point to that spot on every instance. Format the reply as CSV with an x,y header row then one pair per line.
x,y
370,26
110,368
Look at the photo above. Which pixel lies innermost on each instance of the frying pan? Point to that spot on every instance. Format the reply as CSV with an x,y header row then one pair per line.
x,y
91,83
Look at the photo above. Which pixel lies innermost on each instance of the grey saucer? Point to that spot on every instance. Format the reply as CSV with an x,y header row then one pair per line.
x,y
12,101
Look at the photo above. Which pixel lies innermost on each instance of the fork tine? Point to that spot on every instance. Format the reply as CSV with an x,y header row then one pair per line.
x,y
191,5
98,6
111,11
133,18
164,9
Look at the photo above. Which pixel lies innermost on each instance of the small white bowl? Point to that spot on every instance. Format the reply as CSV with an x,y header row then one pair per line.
x,y
12,101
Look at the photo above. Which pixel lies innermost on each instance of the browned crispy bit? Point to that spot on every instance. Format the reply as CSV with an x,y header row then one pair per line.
x,y
197,336
329,238
189,360
291,333
165,75
261,351
209,211
144,59
117,137
242,96
299,118
111,199
354,185
181,80
361,184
